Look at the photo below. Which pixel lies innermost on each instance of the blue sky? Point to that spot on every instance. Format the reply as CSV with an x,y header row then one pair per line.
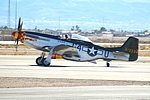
x,y
142,1
43,17
96,0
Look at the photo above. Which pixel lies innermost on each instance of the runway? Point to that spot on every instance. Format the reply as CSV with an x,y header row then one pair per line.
x,y
25,66
77,93
67,80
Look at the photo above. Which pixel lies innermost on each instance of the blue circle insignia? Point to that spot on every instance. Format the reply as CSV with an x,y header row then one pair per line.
x,y
92,51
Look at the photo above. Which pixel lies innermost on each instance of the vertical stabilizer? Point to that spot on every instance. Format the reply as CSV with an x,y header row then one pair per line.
x,y
131,47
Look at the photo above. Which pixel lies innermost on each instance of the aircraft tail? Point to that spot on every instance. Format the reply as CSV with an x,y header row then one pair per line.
x,y
131,47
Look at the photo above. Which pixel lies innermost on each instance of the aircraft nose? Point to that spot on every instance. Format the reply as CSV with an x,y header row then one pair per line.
x,y
15,34
19,35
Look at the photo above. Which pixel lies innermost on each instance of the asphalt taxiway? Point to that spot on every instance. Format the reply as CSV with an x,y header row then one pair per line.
x,y
25,67
77,93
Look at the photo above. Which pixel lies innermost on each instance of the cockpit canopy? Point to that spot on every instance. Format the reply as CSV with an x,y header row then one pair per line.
x,y
79,37
74,36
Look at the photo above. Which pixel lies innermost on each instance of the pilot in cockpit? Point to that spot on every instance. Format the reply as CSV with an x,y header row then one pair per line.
x,y
66,36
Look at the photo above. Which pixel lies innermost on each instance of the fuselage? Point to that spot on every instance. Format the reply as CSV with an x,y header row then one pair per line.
x,y
87,51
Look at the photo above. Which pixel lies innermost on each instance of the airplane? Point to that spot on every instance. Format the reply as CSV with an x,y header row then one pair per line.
x,y
76,48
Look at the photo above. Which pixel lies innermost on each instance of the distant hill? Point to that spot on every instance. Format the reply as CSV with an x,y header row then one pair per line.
x,y
88,15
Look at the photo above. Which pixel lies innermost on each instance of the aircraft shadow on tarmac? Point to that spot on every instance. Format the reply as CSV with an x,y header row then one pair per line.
x,y
52,66
79,66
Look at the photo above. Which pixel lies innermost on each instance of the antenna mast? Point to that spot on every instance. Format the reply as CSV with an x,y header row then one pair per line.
x,y
59,25
16,16
8,13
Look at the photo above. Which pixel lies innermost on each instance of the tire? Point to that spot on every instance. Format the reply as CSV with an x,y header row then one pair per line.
x,y
39,61
108,64
45,63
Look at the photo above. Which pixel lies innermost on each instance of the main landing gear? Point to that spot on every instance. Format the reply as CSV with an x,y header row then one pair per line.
x,y
41,61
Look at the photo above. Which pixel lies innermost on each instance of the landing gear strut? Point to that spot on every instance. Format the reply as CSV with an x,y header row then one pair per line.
x,y
41,61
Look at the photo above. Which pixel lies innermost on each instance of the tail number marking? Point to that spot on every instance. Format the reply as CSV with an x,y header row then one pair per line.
x,y
131,50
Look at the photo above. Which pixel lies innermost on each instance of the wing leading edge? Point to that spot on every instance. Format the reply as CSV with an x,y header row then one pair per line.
x,y
67,52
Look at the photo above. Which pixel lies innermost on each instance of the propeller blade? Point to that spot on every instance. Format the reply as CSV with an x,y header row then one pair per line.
x,y
20,27
17,44
19,23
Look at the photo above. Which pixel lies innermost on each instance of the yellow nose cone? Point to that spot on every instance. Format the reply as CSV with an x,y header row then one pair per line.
x,y
15,34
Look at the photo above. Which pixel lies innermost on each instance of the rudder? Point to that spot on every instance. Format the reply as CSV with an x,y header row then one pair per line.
x,y
131,47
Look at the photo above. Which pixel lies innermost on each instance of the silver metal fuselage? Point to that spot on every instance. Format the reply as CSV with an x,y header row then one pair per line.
x,y
87,51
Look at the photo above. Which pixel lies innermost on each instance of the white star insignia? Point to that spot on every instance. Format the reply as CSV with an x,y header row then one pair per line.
x,y
92,50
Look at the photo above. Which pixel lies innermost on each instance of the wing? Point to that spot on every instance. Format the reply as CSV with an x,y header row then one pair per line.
x,y
64,50
69,53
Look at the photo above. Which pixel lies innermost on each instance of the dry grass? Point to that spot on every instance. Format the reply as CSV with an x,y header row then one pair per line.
x,y
144,47
13,46
10,49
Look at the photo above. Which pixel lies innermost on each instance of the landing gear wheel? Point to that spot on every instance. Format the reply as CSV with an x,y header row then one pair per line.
x,y
107,64
45,63
39,61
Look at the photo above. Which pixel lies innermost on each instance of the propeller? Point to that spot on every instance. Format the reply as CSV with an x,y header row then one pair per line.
x,y
17,34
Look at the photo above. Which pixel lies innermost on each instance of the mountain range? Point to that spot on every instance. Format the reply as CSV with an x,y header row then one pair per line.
x,y
87,14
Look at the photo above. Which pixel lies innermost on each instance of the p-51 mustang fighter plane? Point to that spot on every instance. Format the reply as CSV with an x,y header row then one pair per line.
x,y
76,48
